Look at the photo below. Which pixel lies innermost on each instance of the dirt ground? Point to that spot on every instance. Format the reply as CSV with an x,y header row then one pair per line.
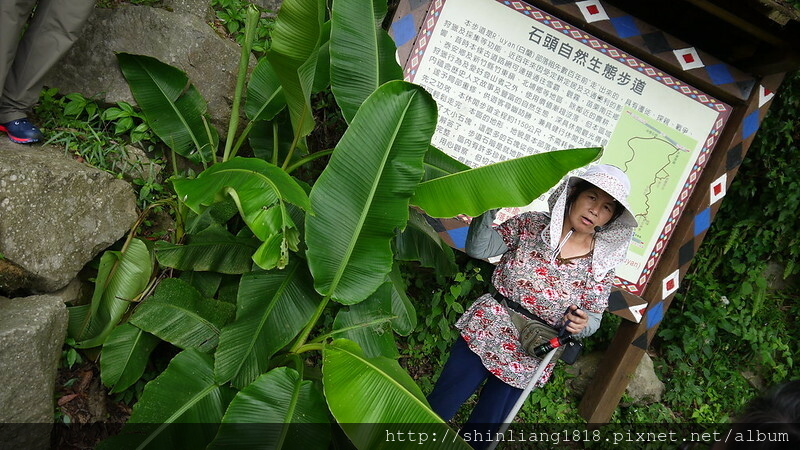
x,y
85,413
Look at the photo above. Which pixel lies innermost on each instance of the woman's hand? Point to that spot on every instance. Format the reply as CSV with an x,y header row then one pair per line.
x,y
577,320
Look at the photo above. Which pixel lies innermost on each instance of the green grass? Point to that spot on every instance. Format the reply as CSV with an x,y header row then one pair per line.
x,y
115,139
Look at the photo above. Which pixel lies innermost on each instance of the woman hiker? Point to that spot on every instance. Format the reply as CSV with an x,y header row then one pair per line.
x,y
556,266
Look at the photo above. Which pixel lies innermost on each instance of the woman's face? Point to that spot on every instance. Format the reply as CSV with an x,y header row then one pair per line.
x,y
592,208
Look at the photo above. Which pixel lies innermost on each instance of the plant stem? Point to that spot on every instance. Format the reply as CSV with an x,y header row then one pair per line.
x,y
321,338
275,142
174,162
309,158
249,32
298,364
242,137
294,144
301,339
309,347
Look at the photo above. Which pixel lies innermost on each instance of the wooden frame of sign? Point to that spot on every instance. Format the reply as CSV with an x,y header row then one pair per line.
x,y
514,78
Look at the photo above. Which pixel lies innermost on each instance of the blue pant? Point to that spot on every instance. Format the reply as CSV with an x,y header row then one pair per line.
x,y
463,373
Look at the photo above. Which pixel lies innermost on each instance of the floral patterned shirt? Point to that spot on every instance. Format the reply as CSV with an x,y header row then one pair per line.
x,y
526,275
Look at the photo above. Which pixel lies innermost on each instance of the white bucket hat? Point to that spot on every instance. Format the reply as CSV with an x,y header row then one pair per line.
x,y
611,242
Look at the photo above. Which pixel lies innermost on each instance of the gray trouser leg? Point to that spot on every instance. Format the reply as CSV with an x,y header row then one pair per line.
x,y
13,15
52,31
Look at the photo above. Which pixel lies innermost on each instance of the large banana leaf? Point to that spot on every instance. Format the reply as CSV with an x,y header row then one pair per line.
x,y
362,196
516,182
368,324
212,250
124,357
178,314
185,393
405,315
272,307
174,109
122,276
362,391
293,55
420,242
264,93
362,53
290,411
260,190
439,164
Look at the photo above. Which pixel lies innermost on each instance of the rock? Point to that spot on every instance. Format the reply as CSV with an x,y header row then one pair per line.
x,y
77,292
180,38
644,386
773,273
199,8
755,380
269,5
56,215
583,371
32,331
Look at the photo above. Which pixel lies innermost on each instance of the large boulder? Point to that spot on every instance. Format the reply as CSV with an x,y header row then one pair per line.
x,y
56,215
32,330
178,35
644,387
200,8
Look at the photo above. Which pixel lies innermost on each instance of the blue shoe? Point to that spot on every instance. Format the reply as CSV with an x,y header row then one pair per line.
x,y
21,131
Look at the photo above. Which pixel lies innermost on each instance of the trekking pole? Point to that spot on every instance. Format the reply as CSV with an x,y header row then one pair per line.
x,y
522,397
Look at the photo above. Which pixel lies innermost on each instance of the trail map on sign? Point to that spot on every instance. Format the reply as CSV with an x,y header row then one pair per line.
x,y
655,158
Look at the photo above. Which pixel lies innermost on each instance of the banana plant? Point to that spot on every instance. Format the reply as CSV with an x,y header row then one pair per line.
x,y
263,257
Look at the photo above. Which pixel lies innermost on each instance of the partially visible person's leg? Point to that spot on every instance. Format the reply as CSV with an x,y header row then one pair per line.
x,y
462,374
13,16
55,26
496,401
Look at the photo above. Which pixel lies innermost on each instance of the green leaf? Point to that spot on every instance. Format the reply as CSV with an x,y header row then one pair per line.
x,y
272,307
362,195
207,283
260,190
516,182
217,213
124,357
264,93
291,413
123,125
362,391
178,314
322,75
293,55
362,53
212,250
420,242
439,164
184,393
368,324
174,108
113,113
405,320
121,277
263,138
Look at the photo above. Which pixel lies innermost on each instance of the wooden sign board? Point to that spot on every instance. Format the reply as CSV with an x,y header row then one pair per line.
x,y
511,80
